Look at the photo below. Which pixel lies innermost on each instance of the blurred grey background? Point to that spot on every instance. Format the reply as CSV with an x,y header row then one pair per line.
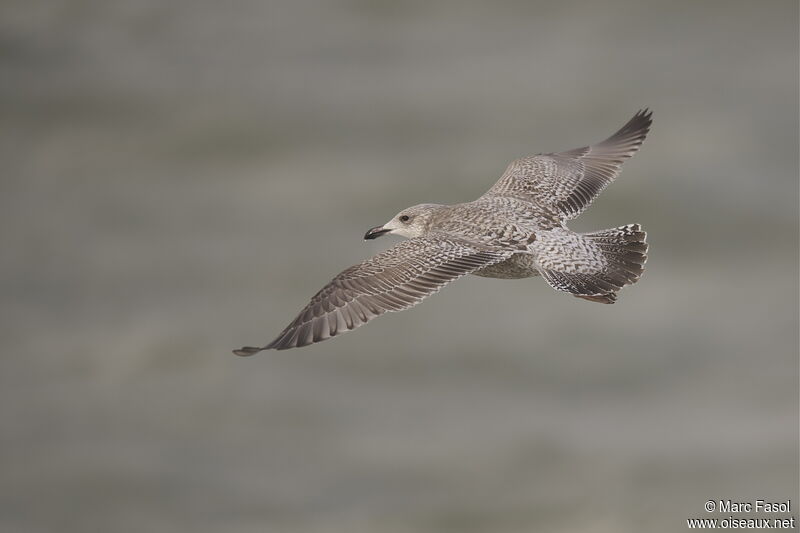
x,y
180,177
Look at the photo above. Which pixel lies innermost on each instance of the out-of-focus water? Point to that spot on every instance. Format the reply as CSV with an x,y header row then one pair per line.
x,y
179,178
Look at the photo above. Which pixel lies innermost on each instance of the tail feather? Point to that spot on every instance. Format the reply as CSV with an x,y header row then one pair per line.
x,y
623,252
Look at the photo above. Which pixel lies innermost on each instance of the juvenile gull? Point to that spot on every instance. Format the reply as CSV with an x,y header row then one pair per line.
x,y
516,230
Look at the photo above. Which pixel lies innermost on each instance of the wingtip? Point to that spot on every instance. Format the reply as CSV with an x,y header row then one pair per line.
x,y
247,351
645,115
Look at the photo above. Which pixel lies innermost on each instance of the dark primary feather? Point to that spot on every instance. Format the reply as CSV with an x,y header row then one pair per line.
x,y
393,280
568,181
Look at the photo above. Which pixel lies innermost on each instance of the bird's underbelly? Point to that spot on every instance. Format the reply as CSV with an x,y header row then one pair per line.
x,y
515,267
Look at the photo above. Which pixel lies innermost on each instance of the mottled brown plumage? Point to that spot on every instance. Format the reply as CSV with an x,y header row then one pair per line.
x,y
516,230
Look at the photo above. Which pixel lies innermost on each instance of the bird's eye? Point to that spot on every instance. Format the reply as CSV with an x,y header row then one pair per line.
x,y
405,218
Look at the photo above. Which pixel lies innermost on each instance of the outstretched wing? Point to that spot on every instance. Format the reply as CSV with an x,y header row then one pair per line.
x,y
393,280
568,181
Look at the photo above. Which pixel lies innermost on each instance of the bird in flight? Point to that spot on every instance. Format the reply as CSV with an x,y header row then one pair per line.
x,y
516,230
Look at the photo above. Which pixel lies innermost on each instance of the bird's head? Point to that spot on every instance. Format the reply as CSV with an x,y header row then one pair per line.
x,y
410,222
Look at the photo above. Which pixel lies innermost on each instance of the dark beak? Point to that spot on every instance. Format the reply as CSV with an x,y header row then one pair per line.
x,y
375,232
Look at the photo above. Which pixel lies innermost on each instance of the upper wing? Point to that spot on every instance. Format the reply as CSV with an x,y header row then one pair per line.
x,y
569,181
393,280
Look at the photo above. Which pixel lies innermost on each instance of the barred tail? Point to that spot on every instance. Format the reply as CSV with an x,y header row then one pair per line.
x,y
624,252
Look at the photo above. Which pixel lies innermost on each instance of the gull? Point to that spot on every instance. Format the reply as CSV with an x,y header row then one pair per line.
x,y
517,229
